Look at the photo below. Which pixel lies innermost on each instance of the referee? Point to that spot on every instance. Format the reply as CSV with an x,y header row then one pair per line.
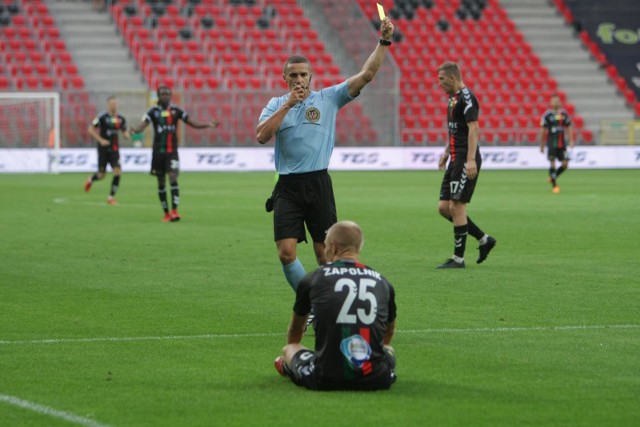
x,y
304,123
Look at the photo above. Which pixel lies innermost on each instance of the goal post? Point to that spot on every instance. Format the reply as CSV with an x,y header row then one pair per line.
x,y
31,120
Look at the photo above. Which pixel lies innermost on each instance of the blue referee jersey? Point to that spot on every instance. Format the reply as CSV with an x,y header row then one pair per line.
x,y
305,139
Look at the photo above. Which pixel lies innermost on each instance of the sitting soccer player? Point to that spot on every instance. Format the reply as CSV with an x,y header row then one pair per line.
x,y
355,314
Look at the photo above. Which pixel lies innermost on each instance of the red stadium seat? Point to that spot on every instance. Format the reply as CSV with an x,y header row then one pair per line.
x,y
48,83
35,56
213,83
54,45
5,84
205,70
41,70
69,83
27,83
48,33
21,70
529,136
195,83
523,122
587,136
488,136
19,20
578,121
493,122
16,57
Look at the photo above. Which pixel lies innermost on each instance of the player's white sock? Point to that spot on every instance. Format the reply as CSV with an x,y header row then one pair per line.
x,y
457,259
484,239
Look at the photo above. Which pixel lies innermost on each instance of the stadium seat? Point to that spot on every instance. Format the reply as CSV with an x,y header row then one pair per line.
x,y
54,45
493,122
587,136
213,83
193,83
48,83
27,83
5,83
529,136
578,121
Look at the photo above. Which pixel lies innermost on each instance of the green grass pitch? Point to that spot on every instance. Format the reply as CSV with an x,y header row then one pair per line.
x,y
111,315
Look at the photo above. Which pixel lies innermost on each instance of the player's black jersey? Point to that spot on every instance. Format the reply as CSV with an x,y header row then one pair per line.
x,y
352,304
555,122
110,127
463,107
165,123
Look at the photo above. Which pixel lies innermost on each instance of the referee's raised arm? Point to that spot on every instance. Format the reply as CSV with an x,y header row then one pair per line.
x,y
358,81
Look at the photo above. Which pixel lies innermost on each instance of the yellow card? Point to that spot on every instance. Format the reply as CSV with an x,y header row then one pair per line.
x,y
380,11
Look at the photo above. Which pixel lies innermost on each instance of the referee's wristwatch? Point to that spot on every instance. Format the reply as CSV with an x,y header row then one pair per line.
x,y
384,42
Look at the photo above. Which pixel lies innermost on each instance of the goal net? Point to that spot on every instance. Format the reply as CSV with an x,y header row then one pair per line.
x,y
30,120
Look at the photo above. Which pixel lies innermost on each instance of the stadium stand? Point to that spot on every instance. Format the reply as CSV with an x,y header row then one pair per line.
x,y
225,59
232,49
37,59
498,65
618,58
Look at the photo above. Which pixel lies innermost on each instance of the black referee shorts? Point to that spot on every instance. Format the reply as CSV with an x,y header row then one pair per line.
x,y
305,198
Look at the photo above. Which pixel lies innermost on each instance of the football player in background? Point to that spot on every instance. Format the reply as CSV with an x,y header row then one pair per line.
x,y
165,160
105,129
554,123
461,175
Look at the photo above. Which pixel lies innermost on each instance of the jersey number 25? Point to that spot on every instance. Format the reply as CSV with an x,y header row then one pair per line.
x,y
361,291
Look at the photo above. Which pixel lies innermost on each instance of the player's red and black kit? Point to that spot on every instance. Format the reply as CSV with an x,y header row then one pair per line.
x,y
165,141
555,123
462,108
110,128
352,304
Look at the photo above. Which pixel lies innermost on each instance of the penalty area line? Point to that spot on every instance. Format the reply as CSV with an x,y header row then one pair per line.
x,y
283,334
46,410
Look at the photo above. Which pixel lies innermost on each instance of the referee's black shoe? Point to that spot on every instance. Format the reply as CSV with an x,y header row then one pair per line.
x,y
451,263
485,249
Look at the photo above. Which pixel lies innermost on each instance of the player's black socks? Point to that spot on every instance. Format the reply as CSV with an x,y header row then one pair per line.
x,y
162,193
460,235
94,177
175,195
115,184
553,175
472,228
559,171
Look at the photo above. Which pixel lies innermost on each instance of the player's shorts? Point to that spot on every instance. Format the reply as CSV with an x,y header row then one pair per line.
x,y
107,156
163,163
302,369
304,374
455,183
557,153
300,199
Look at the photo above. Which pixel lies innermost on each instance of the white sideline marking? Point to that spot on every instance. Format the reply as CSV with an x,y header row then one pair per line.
x,y
523,328
46,410
282,334
149,338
